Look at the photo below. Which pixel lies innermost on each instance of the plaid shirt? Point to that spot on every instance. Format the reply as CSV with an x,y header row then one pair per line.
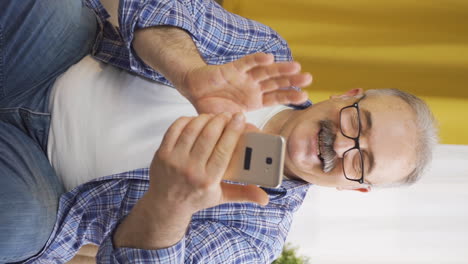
x,y
228,233
220,36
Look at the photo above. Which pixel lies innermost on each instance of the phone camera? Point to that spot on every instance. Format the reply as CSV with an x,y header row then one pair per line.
x,y
269,160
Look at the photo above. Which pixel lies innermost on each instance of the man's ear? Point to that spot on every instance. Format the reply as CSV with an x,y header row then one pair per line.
x,y
363,189
350,93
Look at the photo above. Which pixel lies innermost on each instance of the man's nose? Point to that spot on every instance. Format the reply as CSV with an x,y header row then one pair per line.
x,y
342,144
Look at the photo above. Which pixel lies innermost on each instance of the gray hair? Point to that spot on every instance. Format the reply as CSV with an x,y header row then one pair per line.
x,y
426,126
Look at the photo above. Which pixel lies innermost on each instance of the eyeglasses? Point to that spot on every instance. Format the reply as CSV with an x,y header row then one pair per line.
x,y
350,126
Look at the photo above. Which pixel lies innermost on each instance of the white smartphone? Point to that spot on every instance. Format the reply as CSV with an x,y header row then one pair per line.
x,y
258,159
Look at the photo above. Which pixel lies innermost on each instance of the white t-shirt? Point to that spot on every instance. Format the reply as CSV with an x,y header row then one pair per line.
x,y
106,121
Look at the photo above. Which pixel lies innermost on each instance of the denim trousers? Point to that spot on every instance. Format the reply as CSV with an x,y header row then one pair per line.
x,y
39,40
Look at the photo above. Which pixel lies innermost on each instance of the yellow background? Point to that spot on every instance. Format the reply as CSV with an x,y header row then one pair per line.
x,y
420,46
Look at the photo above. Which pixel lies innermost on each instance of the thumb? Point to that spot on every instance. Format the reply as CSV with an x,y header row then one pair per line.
x,y
243,193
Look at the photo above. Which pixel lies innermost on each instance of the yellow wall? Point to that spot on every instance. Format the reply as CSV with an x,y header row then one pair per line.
x,y
420,46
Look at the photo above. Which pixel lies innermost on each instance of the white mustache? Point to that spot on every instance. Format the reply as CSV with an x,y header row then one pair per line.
x,y
326,141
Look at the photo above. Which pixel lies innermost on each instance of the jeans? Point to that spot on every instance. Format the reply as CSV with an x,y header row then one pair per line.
x,y
39,40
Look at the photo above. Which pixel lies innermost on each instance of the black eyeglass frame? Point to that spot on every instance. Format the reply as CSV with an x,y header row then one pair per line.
x,y
355,139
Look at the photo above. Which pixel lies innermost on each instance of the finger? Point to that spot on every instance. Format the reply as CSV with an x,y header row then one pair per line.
x,y
222,152
173,133
289,96
243,193
190,133
248,62
261,73
209,136
298,80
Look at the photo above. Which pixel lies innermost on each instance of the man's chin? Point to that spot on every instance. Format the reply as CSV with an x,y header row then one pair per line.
x,y
293,176
295,166
303,164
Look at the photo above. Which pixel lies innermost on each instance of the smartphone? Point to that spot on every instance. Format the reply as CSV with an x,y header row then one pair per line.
x,y
258,159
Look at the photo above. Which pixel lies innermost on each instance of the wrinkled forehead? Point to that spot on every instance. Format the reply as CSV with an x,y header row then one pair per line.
x,y
391,139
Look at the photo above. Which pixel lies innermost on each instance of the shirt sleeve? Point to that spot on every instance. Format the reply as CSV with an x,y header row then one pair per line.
x,y
211,241
228,233
171,255
219,35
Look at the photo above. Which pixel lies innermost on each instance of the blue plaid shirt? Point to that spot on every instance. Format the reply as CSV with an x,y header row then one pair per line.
x,y
220,36
228,233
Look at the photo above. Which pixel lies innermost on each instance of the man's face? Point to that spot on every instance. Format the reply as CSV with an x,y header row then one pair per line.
x,y
387,141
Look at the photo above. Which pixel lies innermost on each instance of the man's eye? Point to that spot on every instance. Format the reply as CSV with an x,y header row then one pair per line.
x,y
355,121
358,163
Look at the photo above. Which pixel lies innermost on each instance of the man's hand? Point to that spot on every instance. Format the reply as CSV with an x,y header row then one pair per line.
x,y
187,170
185,177
249,83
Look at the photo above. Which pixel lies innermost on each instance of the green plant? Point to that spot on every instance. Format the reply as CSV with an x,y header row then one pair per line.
x,y
289,256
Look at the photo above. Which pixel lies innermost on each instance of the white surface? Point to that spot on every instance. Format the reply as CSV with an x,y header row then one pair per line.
x,y
425,223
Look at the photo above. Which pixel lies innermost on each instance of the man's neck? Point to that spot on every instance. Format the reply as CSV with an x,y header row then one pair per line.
x,y
276,123
275,126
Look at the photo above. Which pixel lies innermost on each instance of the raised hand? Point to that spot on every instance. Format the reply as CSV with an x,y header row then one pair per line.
x,y
247,84
250,83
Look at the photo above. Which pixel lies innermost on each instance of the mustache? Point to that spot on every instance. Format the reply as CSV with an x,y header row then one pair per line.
x,y
326,141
